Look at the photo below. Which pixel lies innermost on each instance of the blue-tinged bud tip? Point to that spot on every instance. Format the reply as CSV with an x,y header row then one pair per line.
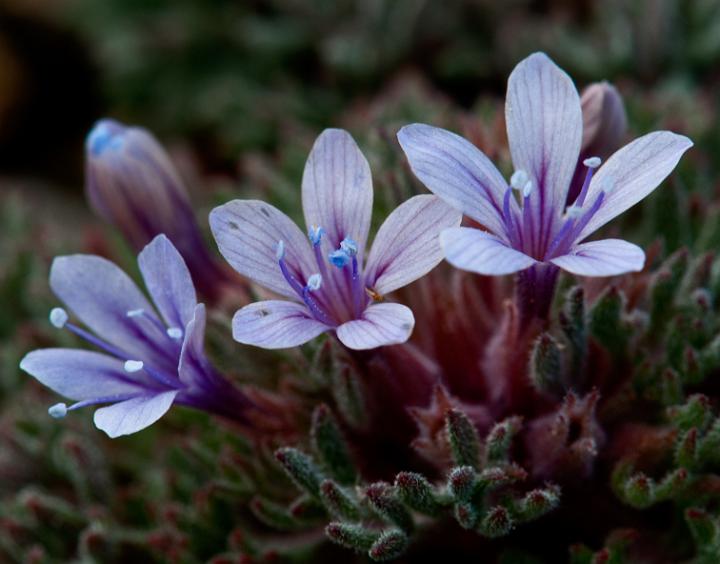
x,y
106,135
339,258
314,282
315,234
57,411
349,246
58,317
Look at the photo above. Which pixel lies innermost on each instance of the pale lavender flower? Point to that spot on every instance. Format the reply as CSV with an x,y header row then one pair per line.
x,y
152,356
528,223
328,284
132,184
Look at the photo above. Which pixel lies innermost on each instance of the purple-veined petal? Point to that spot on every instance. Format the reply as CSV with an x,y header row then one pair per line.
x,y
337,191
133,415
168,280
632,173
192,357
80,375
275,324
247,233
101,295
457,171
607,257
407,245
381,324
477,251
544,126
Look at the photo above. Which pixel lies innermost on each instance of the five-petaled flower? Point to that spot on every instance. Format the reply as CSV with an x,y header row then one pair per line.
x,y
538,229
151,358
329,283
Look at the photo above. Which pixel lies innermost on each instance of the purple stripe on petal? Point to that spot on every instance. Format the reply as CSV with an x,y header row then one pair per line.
x,y
607,257
275,324
481,252
79,374
133,415
544,125
632,173
407,245
168,280
381,324
337,192
247,233
457,171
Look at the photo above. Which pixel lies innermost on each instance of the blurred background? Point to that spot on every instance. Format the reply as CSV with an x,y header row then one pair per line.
x,y
238,89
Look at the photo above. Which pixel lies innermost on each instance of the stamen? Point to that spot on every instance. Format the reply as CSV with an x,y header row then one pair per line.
x,y
349,246
607,185
527,189
133,365
510,225
58,411
315,234
175,333
280,255
592,162
154,321
519,179
573,212
58,317
314,283
135,312
339,258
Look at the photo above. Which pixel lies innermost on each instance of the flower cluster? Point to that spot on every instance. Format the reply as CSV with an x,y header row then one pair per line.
x,y
377,374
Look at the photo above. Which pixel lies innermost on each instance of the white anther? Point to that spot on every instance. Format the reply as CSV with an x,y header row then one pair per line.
x,y
527,189
314,282
519,179
174,332
280,250
57,411
573,212
133,365
135,312
592,162
58,317
607,185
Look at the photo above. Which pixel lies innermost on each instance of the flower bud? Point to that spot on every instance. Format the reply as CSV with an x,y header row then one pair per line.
x,y
604,120
133,185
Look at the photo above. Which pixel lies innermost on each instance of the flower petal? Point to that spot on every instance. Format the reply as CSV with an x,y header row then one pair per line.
x,y
78,374
101,295
133,415
247,233
381,324
192,356
607,257
633,172
275,324
407,245
544,126
337,191
457,171
168,280
474,250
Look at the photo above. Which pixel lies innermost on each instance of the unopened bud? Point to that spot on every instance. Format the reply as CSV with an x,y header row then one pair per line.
x,y
604,119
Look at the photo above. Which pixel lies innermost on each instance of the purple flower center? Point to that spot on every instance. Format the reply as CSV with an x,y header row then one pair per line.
x,y
527,230
331,296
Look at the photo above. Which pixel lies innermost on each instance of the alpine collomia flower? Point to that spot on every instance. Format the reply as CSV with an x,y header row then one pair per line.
x,y
529,225
329,283
149,361
133,185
